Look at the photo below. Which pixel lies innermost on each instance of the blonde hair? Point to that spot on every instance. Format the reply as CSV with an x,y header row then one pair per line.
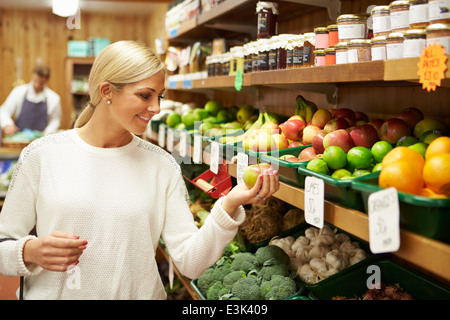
x,y
120,63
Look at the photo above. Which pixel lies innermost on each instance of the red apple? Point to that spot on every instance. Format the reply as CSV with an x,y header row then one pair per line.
x,y
321,118
364,136
393,129
361,116
411,116
309,132
280,141
317,142
336,124
263,141
252,172
344,113
271,126
307,154
293,159
292,129
296,117
340,138
295,144
376,123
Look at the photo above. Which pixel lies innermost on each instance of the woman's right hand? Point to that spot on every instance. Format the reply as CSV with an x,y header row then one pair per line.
x,y
10,130
57,251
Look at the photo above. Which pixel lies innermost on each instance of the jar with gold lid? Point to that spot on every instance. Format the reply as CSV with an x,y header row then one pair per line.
x,y
439,33
341,50
273,52
359,50
394,45
322,37
352,26
297,55
414,42
378,48
333,35
319,57
399,13
330,56
381,21
290,53
418,14
439,11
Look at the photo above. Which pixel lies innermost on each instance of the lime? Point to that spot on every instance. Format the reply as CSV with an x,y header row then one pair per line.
x,y
407,141
377,167
380,149
420,147
335,157
341,173
430,137
359,157
360,173
318,165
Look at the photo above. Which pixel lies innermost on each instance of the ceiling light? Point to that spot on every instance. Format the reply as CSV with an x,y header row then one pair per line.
x,y
65,8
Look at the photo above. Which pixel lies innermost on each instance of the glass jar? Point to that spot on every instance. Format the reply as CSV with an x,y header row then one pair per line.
x,y
319,57
255,57
439,33
378,48
226,60
273,43
399,15
247,58
439,11
281,50
232,69
359,50
333,35
394,45
297,56
330,56
341,49
263,54
418,14
218,65
414,40
322,38
308,49
352,26
209,66
290,53
267,19
381,21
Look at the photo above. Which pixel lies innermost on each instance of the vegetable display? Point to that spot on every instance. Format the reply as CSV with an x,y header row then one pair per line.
x,y
320,253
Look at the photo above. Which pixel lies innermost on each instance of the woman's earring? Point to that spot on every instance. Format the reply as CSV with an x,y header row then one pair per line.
x,y
108,102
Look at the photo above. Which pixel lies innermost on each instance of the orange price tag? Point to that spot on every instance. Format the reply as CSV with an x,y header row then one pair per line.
x,y
432,66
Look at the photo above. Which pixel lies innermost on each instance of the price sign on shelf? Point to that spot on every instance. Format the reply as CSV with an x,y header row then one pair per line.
x,y
215,157
384,221
432,66
197,156
314,201
242,163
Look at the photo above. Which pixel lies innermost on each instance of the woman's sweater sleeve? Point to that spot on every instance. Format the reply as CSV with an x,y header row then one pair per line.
x,y
18,217
193,250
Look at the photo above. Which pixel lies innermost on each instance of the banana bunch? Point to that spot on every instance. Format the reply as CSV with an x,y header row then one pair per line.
x,y
305,108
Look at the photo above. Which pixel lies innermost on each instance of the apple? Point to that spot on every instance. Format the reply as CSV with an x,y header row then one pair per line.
x,y
411,116
344,113
340,138
286,156
309,132
293,159
281,142
428,124
271,126
376,123
295,144
317,142
361,116
307,154
336,124
263,141
393,129
293,128
252,172
296,117
364,136
321,118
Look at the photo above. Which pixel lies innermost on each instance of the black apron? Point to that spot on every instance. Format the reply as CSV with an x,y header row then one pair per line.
x,y
33,115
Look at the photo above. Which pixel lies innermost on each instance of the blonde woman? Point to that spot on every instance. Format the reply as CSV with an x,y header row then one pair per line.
x,y
100,197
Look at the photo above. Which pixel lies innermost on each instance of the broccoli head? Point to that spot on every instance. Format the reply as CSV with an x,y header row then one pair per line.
x,y
245,261
222,268
278,288
232,248
232,277
213,292
247,288
272,254
206,280
267,272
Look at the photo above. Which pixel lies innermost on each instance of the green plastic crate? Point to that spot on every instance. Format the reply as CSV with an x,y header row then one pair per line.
x,y
426,216
336,190
353,284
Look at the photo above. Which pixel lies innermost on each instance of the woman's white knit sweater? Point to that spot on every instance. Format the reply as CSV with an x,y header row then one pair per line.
x,y
121,200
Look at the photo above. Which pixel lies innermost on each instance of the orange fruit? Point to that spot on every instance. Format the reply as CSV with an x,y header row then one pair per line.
x,y
426,192
438,145
403,153
436,174
403,176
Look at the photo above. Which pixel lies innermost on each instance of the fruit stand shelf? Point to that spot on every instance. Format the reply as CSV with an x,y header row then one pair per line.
x,y
371,71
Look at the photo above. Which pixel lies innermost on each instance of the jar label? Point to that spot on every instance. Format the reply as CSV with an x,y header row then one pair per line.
x,y
439,9
341,57
413,47
378,53
307,55
394,50
298,57
443,41
352,31
352,55
381,24
418,13
399,19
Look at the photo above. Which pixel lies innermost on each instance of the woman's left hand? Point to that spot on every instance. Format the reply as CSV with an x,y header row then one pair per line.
x,y
266,185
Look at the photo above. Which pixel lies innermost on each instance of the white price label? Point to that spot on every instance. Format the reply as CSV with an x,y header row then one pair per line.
x,y
183,143
197,156
170,139
242,164
314,201
162,135
214,164
384,221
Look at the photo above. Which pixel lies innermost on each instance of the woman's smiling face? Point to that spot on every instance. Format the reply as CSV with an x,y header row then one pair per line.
x,y
138,102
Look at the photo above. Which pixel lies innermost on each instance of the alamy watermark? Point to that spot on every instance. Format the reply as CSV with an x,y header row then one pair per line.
x,y
74,22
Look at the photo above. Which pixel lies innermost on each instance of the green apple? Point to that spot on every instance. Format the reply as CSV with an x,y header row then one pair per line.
x,y
252,172
340,173
201,113
245,113
428,124
189,118
213,107
173,119
223,116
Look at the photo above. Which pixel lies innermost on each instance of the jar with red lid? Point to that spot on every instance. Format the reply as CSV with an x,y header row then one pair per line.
x,y
267,19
